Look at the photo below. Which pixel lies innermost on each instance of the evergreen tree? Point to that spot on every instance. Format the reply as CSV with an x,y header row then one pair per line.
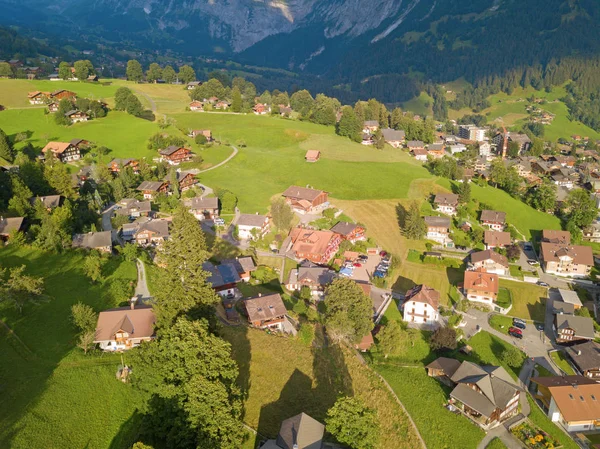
x,y
183,284
236,99
18,288
186,74
134,71
169,74
348,315
19,202
154,73
379,139
414,226
464,192
6,150
349,125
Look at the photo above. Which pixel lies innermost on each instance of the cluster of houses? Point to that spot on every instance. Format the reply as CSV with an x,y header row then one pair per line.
x,y
51,99
200,106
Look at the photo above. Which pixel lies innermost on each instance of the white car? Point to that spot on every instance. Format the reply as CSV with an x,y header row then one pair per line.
x,y
219,221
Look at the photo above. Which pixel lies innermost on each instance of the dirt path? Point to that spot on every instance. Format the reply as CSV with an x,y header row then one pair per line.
x,y
231,156
149,98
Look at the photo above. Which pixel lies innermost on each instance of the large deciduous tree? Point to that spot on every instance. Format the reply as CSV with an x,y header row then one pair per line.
x,y
18,288
349,125
186,74
281,214
168,74
352,423
349,312
154,73
134,71
580,208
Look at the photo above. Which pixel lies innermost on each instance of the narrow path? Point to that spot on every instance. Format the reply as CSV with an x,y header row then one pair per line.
x,y
16,337
141,290
147,97
231,156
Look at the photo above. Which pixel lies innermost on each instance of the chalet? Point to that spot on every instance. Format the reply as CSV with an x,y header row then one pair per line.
x,y
564,177
560,237
193,84
305,200
312,156
421,305
211,100
443,368
222,104
63,94
566,260
367,139
186,180
223,278
261,109
252,226
315,277
495,220
93,78
197,106
76,116
446,203
206,208
150,189
9,225
370,126
573,328
486,394
350,231
101,241
479,286
415,145
571,401
490,261
175,155
37,97
128,230
436,150
116,164
395,138
570,297
315,246
133,208
64,151
244,266
81,144
152,233
53,107
49,202
420,154
299,432
585,357
266,312
285,111
124,328
438,230
205,132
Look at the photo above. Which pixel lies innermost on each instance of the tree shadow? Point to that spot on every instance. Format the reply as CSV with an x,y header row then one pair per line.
x,y
403,284
401,213
129,432
147,115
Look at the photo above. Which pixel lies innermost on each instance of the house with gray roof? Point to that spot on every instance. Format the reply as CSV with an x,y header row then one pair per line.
x,y
101,241
49,201
573,328
252,226
298,432
223,278
310,275
438,230
585,357
8,225
395,138
244,266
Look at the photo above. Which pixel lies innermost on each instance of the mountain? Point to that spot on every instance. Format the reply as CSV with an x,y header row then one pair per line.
x,y
346,42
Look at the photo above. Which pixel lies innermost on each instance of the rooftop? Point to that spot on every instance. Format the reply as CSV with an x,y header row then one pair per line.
x,y
138,322
264,308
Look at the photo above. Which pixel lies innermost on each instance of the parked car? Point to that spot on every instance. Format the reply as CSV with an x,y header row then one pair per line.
x,y
539,327
527,246
519,320
542,284
357,264
379,274
383,254
219,221
519,324
363,258
517,333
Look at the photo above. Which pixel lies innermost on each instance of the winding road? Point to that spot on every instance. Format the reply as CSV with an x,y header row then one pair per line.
x,y
231,156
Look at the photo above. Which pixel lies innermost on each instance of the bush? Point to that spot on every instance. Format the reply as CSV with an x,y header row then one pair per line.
x,y
200,139
306,334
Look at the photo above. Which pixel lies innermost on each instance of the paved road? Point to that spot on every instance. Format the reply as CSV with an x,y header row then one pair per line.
x,y
141,290
231,156
107,224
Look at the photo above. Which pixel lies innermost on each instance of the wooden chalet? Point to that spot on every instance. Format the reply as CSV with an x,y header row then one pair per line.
x,y
305,200
63,94
116,164
175,155
150,189
77,116
186,180
64,151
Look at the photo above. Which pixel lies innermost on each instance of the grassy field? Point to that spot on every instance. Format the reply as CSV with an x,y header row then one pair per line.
x,y
487,349
496,443
560,359
528,300
281,377
421,105
169,99
52,395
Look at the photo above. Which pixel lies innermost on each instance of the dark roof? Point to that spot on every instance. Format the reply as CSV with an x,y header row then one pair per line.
x,y
50,201
242,264
7,225
562,381
303,193
391,135
415,144
493,216
448,365
480,256
140,206
76,142
313,273
153,186
169,150
202,203
93,240
585,356
449,199
562,307
582,325
221,275
344,228
441,222
160,227
477,401
267,307
251,220
301,430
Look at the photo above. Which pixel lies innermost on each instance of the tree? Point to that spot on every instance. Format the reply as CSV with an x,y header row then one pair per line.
x,y
580,208
543,197
464,192
349,125
5,70
236,99
83,316
6,150
134,71
86,340
60,117
83,69
352,423
513,149
154,73
511,356
389,339
212,88
348,315
414,226
130,252
302,102
59,179
584,312
513,252
192,404
183,288
19,202
200,139
444,338
228,200
379,140
168,74
134,106
64,70
92,266
281,214
19,288
121,96
186,74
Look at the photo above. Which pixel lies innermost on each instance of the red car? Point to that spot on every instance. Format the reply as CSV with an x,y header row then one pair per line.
x,y
382,254
515,330
357,265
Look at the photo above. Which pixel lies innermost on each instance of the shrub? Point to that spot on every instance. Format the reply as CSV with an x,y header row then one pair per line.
x,y
306,334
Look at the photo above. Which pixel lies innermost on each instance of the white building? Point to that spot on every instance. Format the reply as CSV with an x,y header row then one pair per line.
x,y
421,305
485,149
251,227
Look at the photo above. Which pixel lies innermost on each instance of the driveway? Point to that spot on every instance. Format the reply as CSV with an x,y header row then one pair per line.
x,y
107,224
364,272
142,293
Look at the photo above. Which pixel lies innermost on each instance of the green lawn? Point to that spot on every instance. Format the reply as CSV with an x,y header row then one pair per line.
x,y
528,300
487,350
501,322
561,361
424,399
496,443
504,298
52,395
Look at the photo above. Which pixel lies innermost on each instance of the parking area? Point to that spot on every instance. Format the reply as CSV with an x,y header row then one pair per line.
x,y
365,271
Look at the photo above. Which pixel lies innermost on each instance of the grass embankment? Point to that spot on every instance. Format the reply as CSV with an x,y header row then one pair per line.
x,y
53,395
529,300
543,422
561,361
282,377
496,443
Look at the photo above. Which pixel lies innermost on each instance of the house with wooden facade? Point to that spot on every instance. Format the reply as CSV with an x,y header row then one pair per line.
x,y
305,200
124,328
244,265
395,138
197,106
493,219
116,164
446,203
573,328
130,207
152,233
315,246
266,311
206,208
205,132
585,357
9,225
38,97
175,155
76,116
186,180
223,278
150,189
350,231
63,94
310,275
101,241
63,151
